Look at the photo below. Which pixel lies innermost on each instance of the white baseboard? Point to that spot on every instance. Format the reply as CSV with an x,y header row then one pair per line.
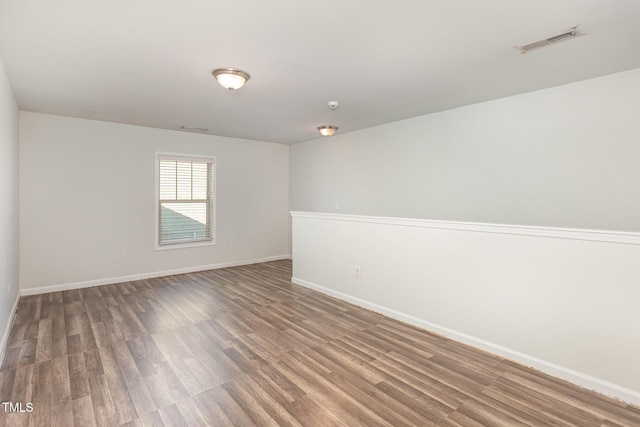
x,y
141,276
7,330
583,380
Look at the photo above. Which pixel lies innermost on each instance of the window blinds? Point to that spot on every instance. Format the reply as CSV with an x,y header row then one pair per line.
x,y
185,199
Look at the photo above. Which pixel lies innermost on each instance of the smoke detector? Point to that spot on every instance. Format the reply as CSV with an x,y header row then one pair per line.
x,y
333,105
570,34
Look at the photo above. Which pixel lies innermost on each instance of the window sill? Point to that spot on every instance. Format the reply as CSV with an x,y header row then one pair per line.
x,y
185,245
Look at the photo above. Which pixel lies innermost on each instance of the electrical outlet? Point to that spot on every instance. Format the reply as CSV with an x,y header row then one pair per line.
x,y
233,245
358,271
121,254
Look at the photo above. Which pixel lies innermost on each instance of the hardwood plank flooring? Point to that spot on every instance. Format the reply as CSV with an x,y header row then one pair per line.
x,y
244,346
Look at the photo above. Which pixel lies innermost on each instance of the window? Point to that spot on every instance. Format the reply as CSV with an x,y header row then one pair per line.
x,y
185,209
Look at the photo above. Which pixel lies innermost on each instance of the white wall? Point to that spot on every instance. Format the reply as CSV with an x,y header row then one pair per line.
x,y
568,307
8,203
87,191
561,157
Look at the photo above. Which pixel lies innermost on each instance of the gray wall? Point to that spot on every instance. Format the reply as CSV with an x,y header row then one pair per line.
x,y
8,200
567,156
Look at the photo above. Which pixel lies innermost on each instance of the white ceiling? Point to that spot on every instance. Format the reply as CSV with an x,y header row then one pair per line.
x,y
149,62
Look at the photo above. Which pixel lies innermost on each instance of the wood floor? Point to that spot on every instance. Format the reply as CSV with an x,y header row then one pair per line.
x,y
243,346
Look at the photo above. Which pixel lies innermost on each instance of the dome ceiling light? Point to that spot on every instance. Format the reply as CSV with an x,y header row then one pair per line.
x,y
230,78
327,130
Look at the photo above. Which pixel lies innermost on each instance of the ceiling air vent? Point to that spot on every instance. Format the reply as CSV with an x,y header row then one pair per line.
x,y
192,129
571,33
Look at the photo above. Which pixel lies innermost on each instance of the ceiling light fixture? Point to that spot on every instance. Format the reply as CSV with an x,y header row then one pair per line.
x,y
230,78
327,130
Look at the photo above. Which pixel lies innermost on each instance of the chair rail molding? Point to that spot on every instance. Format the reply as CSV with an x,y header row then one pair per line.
x,y
625,237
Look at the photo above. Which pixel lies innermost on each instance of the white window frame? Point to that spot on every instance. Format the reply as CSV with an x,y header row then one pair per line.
x,y
180,245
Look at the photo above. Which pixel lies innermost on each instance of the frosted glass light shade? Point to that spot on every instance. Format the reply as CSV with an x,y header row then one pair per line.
x,y
230,78
327,130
